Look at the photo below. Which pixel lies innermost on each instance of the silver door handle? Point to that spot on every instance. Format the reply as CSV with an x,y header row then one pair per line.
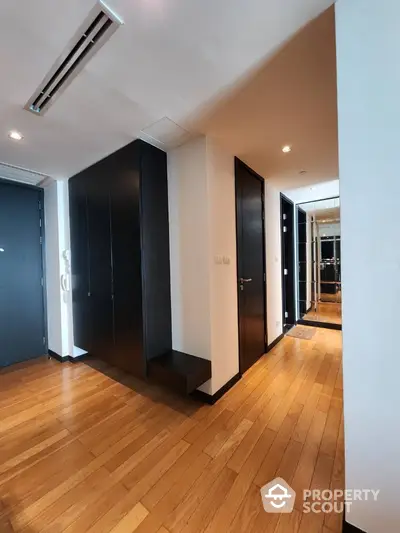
x,y
245,280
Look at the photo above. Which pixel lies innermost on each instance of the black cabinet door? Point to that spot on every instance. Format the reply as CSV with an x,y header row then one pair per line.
x,y
80,267
155,252
100,259
126,251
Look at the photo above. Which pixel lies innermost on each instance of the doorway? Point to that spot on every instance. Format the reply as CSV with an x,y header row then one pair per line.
x,y
319,264
22,307
287,243
250,265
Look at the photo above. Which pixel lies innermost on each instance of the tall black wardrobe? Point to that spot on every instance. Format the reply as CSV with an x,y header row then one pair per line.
x,y
120,257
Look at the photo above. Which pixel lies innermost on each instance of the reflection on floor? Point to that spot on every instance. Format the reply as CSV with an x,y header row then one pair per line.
x,y
89,449
326,312
336,298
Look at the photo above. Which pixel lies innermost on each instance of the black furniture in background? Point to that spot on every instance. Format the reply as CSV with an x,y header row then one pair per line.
x,y
120,257
121,270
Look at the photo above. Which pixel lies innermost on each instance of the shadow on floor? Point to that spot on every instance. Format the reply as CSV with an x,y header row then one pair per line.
x,y
183,404
6,516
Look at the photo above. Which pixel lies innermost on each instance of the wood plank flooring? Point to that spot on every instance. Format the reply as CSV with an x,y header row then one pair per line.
x,y
85,448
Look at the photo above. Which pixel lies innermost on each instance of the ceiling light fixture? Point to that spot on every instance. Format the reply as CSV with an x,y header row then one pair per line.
x,y
286,149
15,135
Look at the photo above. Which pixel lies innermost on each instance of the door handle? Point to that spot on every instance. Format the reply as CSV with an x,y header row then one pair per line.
x,y
245,280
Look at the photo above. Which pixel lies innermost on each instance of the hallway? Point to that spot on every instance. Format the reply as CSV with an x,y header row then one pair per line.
x,y
82,452
326,312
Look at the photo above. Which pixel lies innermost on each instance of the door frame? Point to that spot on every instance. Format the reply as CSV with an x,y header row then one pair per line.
x,y
315,323
297,263
284,198
239,163
40,190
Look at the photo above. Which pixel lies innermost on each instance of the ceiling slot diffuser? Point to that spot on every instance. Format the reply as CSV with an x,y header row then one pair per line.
x,y
97,28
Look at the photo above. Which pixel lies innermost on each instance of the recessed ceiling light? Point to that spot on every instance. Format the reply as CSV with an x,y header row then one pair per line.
x,y
286,149
15,135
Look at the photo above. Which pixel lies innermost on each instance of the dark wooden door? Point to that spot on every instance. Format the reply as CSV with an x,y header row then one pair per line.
x,y
251,265
22,319
287,240
302,260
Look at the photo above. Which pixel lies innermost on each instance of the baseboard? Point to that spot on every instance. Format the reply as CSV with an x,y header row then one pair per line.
x,y
316,324
348,528
212,399
79,358
58,357
275,342
67,358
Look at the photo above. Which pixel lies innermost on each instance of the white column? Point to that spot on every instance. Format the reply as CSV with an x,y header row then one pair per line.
x,y
368,47
59,302
201,187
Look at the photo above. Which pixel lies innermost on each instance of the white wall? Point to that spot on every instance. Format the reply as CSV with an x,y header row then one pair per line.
x,y
59,303
189,248
202,225
224,304
368,44
274,261
201,181
53,259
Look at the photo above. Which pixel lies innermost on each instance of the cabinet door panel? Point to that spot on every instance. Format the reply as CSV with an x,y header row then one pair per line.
x,y
101,303
155,252
126,246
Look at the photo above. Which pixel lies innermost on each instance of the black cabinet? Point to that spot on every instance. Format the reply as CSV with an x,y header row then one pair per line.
x,y
80,263
120,257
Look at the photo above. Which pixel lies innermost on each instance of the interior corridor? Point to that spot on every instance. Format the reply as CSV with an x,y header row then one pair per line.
x,y
86,448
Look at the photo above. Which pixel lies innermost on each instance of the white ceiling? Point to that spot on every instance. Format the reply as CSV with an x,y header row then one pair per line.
x,y
290,100
170,59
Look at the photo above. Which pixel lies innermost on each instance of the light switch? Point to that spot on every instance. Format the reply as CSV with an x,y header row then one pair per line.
x,y
226,260
218,259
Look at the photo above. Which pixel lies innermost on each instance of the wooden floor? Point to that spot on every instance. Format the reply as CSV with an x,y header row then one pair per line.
x,y
83,452
326,312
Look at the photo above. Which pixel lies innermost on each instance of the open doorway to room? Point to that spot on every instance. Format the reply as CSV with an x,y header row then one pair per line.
x,y
319,294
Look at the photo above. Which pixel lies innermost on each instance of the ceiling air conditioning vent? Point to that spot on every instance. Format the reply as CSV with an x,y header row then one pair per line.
x,y
97,28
